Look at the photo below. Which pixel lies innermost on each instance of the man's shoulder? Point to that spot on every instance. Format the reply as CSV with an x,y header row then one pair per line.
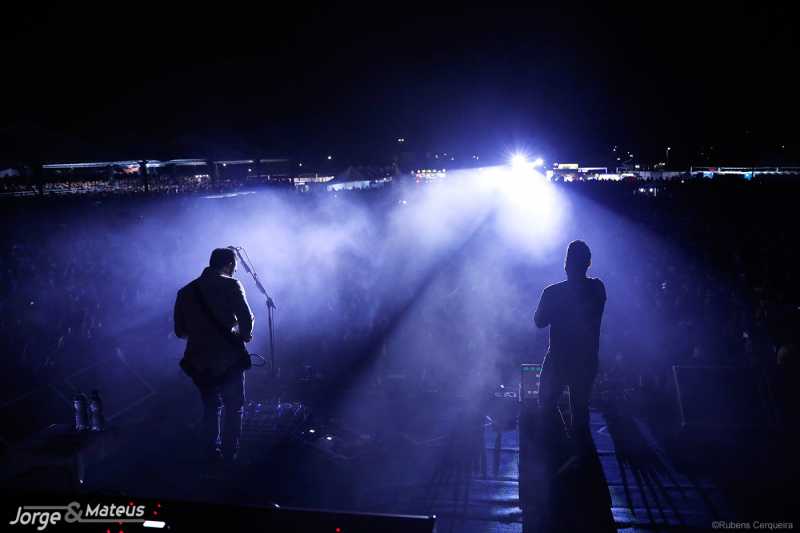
x,y
233,282
597,282
186,288
562,286
225,285
208,283
230,285
598,286
218,280
555,287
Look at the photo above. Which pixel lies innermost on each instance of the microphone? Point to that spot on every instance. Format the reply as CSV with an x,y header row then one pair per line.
x,y
234,248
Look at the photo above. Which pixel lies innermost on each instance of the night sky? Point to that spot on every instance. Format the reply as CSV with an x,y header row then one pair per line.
x,y
93,84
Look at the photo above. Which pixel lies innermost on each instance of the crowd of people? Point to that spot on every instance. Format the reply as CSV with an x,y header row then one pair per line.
x,y
63,298
720,286
701,273
121,186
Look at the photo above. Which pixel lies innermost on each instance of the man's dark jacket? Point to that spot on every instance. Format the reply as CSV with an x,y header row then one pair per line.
x,y
207,350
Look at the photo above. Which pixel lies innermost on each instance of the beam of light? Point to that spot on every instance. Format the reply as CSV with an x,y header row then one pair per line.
x,y
530,211
466,239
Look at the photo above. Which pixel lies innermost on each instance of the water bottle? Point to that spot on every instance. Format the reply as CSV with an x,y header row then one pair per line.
x,y
97,419
79,409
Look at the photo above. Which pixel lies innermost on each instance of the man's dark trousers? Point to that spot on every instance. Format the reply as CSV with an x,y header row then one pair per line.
x,y
223,412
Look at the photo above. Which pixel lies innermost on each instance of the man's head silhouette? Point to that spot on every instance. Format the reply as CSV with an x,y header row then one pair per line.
x,y
579,257
223,260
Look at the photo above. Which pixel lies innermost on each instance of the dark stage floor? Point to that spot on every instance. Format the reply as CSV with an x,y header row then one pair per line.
x,y
468,479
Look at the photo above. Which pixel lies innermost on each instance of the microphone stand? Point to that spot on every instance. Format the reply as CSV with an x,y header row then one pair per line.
x,y
270,310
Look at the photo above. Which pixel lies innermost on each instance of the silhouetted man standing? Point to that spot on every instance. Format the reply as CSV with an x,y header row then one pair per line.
x,y
207,311
573,309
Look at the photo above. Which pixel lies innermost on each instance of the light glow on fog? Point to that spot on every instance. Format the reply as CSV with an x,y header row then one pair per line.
x,y
529,209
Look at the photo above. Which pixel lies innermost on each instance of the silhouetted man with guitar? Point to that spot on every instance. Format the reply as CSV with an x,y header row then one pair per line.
x,y
212,313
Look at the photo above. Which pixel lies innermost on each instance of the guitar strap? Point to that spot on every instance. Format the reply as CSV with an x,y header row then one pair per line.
x,y
225,332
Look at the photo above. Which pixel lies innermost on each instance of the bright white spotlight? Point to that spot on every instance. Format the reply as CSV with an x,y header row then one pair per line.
x,y
538,162
519,160
530,211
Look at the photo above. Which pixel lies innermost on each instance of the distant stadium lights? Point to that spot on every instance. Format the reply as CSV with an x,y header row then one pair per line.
x,y
237,162
100,164
188,162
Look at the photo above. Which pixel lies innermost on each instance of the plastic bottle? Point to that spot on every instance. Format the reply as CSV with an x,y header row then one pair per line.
x,y
97,418
79,408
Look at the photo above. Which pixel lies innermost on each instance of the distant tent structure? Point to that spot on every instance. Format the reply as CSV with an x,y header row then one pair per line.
x,y
361,177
